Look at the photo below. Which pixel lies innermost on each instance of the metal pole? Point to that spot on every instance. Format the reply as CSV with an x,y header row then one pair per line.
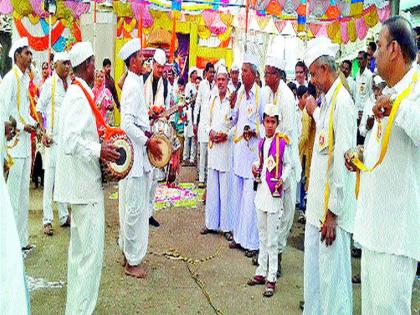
x,y
49,43
94,26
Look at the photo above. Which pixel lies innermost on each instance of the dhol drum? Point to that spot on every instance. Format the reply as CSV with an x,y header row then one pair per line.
x,y
163,131
118,170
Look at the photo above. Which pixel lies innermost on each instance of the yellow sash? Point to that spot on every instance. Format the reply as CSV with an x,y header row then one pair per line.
x,y
54,82
237,139
359,164
330,150
18,95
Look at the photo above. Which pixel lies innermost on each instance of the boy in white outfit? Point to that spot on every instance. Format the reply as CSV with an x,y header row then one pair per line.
x,y
270,172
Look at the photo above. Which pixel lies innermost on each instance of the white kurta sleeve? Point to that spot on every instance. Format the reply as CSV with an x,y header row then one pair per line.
x,y
362,128
316,114
134,132
8,93
408,118
287,163
206,118
197,106
344,138
73,142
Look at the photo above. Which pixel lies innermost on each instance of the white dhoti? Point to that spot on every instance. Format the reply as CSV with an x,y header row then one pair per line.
x,y
218,216
85,257
286,220
14,296
49,180
122,184
202,170
245,230
18,186
155,176
268,231
387,283
327,274
189,149
136,221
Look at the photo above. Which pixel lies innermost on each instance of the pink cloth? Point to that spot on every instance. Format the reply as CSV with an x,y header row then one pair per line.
x,y
103,100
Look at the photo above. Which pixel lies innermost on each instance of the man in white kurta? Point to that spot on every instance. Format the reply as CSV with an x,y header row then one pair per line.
x,y
14,297
135,121
278,93
15,99
49,107
246,115
200,110
78,182
327,260
218,125
191,95
154,94
388,214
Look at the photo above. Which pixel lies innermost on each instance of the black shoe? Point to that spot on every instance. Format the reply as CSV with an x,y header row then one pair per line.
x,y
302,305
153,222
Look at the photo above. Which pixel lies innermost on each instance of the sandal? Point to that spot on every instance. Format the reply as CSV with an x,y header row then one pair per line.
x,y
233,245
251,253
255,260
256,280
356,279
228,236
269,289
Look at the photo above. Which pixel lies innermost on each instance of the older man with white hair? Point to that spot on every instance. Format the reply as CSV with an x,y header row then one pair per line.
x,y
331,199
78,182
15,102
48,108
388,209
217,123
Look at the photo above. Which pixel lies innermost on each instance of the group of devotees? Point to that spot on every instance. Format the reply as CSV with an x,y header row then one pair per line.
x,y
370,195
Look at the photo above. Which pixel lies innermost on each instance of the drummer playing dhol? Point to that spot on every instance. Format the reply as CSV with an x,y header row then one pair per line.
x,y
135,189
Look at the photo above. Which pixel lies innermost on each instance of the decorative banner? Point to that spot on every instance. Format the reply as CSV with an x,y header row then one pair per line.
x,y
356,7
361,28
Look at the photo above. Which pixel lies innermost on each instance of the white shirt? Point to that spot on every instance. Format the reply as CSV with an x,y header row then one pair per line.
x,y
231,87
190,90
363,89
264,200
78,174
246,113
44,104
288,125
9,105
388,213
135,121
201,106
342,200
352,86
219,120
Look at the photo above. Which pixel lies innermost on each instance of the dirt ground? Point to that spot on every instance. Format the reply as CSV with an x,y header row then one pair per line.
x,y
169,287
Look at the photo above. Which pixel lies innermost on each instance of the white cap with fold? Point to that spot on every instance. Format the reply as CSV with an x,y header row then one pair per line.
x,y
250,58
80,52
20,43
317,47
275,62
221,69
191,70
129,48
160,57
271,110
61,56
234,67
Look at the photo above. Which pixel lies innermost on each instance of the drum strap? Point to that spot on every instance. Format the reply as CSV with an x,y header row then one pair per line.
x,y
101,126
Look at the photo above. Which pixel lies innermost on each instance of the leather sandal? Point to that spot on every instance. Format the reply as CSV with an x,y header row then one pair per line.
x,y
270,287
256,280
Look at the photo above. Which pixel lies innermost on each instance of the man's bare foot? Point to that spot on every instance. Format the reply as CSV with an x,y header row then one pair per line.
x,y
134,271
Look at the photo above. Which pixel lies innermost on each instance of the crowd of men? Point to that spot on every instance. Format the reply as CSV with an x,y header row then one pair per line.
x,y
262,149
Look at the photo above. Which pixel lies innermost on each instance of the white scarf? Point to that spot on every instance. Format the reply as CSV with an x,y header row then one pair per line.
x,y
148,92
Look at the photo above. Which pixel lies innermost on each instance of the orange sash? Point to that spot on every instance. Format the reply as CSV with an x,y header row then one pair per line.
x,y
103,129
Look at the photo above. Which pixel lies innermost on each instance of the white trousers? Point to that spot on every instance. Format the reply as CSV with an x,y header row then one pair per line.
x,y
63,213
18,186
218,216
202,171
189,149
268,232
387,283
85,257
122,184
153,179
136,220
286,220
327,274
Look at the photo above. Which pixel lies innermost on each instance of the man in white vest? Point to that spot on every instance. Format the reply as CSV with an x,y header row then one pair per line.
x,y
388,209
331,199
15,98
48,108
78,182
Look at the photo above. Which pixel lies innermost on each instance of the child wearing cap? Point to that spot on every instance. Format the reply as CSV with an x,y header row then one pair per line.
x,y
270,172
